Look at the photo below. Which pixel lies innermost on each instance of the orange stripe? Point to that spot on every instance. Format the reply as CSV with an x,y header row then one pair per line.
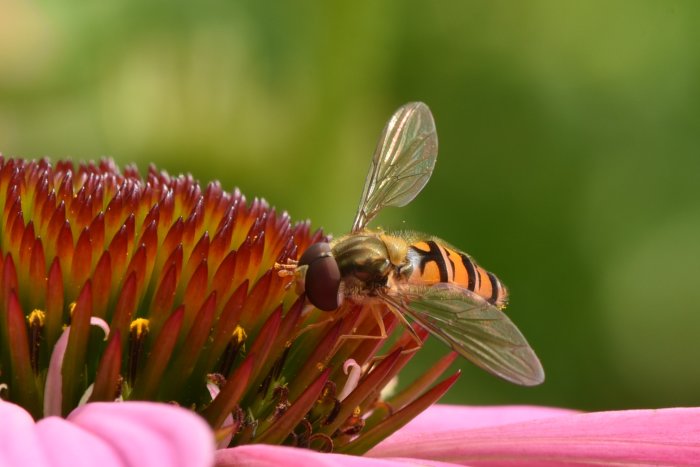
x,y
431,274
484,287
459,272
423,246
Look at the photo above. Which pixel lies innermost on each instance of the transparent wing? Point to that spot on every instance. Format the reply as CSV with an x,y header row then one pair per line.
x,y
402,163
473,328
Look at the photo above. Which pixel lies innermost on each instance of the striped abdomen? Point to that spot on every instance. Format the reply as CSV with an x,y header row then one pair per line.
x,y
434,262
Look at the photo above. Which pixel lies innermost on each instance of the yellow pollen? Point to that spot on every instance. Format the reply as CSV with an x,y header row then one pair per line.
x,y
36,317
139,326
71,307
324,393
239,334
356,411
320,366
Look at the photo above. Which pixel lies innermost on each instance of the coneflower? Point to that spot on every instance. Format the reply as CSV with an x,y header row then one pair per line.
x,y
117,287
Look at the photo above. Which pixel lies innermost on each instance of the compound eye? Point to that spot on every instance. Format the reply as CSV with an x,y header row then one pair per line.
x,y
322,281
314,252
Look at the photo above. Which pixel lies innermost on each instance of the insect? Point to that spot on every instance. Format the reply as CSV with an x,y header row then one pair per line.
x,y
416,276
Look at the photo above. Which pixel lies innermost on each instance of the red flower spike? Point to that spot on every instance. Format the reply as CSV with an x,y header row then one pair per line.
x,y
20,366
102,282
17,230
230,394
361,351
423,382
129,226
256,301
58,218
137,267
148,379
278,432
125,308
149,240
97,234
46,213
314,363
173,239
221,242
183,364
199,254
114,214
167,210
8,286
367,388
373,436
240,272
107,377
262,345
189,231
37,274
25,249
222,277
85,211
74,360
54,304
65,190
195,292
175,259
153,217
164,297
290,324
118,252
408,345
64,247
228,319
82,261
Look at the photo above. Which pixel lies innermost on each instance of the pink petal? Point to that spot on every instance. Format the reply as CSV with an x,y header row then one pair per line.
x,y
459,417
106,435
143,433
52,442
54,379
665,436
67,445
261,455
18,440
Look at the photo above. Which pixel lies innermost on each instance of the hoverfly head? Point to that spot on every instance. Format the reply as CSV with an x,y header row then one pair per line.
x,y
320,277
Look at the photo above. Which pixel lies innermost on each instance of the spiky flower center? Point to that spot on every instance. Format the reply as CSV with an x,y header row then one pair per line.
x,y
182,279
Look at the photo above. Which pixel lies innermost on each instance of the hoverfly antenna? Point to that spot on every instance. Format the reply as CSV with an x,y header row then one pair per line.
x,y
322,281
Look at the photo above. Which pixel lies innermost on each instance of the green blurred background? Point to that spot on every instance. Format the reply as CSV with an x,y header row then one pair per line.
x,y
569,136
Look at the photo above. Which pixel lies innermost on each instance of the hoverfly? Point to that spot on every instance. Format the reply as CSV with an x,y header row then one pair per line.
x,y
414,275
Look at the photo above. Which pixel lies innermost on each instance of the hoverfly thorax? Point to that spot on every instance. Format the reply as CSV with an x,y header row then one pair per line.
x,y
363,261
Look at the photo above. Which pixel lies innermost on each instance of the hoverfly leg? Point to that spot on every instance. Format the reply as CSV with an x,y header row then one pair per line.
x,y
312,326
409,328
377,315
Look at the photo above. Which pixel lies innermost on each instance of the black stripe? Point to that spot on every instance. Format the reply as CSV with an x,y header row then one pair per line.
x,y
471,273
495,287
433,254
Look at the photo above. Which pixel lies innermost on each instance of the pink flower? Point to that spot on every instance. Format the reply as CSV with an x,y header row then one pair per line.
x,y
446,435
106,434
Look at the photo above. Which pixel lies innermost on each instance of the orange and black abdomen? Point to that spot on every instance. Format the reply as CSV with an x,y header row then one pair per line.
x,y
434,262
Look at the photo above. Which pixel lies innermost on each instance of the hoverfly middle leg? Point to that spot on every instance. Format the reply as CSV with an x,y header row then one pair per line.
x,y
379,319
